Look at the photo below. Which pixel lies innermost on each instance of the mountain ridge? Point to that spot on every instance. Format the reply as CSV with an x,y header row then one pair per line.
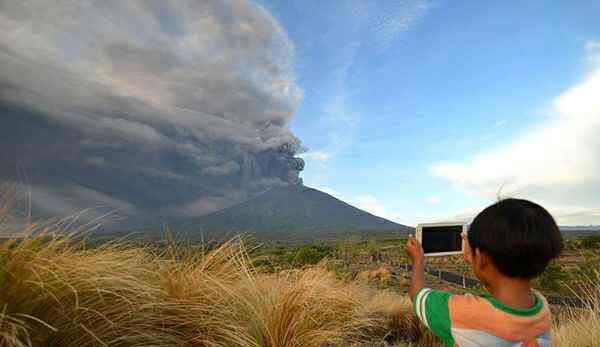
x,y
292,212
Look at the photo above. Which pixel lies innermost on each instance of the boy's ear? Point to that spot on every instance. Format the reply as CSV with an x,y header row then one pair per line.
x,y
479,259
467,251
482,259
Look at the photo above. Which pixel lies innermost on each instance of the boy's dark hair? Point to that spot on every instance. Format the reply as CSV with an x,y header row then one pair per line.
x,y
519,236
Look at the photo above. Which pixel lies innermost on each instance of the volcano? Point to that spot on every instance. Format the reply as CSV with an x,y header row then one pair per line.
x,y
293,212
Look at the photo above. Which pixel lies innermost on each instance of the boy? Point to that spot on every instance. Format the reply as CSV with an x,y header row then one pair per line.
x,y
508,244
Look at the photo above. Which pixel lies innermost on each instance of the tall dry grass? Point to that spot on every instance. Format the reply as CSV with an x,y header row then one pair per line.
x,y
55,294
56,291
581,326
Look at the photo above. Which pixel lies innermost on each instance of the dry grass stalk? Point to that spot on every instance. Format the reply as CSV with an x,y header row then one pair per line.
x,y
581,326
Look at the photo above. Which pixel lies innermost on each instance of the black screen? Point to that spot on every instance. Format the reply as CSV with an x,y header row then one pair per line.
x,y
441,239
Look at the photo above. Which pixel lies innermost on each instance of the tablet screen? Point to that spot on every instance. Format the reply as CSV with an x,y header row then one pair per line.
x,y
437,239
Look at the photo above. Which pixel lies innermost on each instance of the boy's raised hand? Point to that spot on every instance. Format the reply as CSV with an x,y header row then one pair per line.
x,y
414,250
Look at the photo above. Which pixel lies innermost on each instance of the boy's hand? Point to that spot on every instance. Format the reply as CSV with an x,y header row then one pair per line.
x,y
414,250
415,253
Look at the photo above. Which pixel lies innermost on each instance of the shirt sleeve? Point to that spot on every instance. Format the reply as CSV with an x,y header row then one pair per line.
x,y
431,306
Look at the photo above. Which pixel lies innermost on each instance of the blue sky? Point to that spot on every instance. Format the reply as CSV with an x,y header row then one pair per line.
x,y
424,110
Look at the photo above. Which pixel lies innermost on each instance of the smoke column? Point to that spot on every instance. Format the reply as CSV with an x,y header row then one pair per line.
x,y
143,106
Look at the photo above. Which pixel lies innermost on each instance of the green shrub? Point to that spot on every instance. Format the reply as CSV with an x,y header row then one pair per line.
x,y
553,277
309,255
264,264
591,242
587,267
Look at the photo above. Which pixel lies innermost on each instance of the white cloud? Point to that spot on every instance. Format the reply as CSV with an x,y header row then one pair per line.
x,y
592,45
563,215
555,164
464,216
398,17
319,156
371,204
500,123
434,200
576,215
593,49
367,202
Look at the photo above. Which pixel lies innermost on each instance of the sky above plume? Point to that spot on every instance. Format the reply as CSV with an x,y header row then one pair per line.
x,y
412,110
428,110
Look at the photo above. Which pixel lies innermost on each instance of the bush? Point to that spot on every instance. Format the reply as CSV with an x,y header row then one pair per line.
x,y
586,268
553,276
309,255
264,264
591,242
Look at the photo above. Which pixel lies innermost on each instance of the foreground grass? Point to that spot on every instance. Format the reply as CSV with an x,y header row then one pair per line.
x,y
55,291
581,327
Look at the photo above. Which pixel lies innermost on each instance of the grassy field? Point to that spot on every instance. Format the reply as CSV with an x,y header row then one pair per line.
x,y
56,291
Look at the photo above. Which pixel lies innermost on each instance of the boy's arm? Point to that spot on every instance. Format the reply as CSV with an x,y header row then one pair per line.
x,y
431,306
417,278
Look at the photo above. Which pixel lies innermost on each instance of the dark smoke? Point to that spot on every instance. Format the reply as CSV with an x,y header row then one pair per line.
x,y
148,107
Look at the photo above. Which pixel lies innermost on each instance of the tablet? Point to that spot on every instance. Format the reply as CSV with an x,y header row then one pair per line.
x,y
441,238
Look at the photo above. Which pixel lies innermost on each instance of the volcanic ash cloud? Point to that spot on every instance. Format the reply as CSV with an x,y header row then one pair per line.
x,y
145,105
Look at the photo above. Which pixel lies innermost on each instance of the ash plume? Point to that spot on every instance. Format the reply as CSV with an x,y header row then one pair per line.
x,y
175,107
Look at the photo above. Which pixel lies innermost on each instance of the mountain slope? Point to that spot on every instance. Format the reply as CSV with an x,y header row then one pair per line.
x,y
295,212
